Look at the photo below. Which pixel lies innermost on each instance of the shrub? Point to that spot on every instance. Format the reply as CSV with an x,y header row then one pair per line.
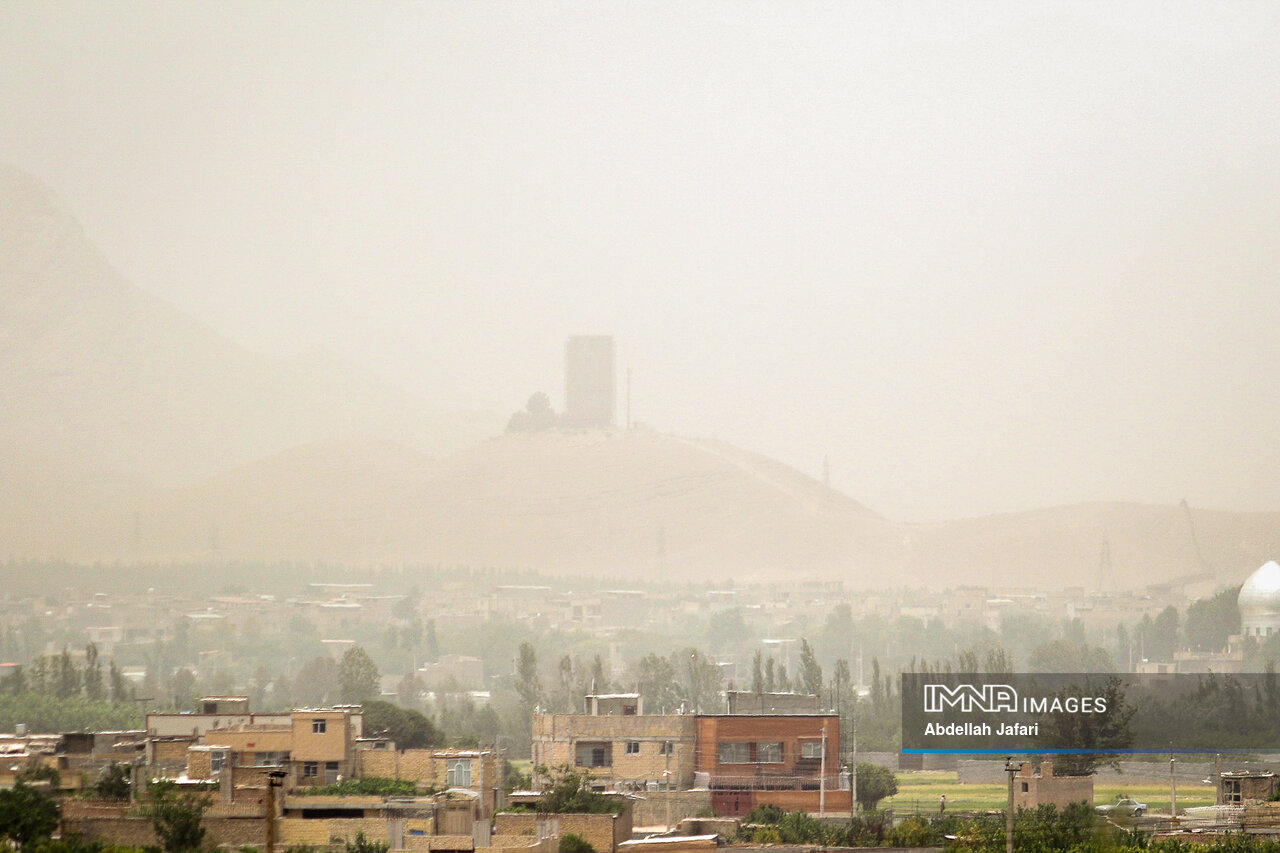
x,y
573,843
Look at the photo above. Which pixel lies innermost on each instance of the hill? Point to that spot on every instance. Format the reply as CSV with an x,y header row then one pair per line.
x,y
128,429
600,502
1063,546
100,379
638,503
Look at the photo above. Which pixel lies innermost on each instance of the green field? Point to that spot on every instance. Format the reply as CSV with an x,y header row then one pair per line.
x,y
920,790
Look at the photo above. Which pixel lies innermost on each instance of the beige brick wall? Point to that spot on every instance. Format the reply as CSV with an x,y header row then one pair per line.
x,y
429,767
438,842
335,743
653,809
602,831
556,737
170,752
254,741
293,830
138,831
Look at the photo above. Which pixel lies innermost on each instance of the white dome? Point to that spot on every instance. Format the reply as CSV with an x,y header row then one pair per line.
x,y
1259,602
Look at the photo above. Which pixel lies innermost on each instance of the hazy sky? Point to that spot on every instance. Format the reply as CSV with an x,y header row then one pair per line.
x,y
984,256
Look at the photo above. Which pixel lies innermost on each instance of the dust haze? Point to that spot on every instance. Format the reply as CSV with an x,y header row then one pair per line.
x,y
978,260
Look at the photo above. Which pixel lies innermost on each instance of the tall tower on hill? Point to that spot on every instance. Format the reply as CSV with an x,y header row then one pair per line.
x,y
589,391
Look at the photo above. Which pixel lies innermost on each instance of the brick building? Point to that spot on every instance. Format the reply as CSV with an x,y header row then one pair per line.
x,y
1035,785
315,747
618,744
748,760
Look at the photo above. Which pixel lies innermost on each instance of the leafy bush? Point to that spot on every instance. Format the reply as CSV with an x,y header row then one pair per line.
x,y
764,813
573,843
366,845
176,816
113,782
569,792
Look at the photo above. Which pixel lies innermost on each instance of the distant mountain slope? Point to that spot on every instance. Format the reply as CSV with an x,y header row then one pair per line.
x,y
99,376
1063,546
640,503
592,501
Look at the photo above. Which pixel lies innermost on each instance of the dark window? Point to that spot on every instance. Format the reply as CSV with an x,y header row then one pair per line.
x,y
633,747
317,727
666,748
310,769
1025,787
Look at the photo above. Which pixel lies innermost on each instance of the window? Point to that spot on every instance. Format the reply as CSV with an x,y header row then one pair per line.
x,y
735,753
666,748
629,710
458,773
1026,786
317,727
811,749
217,760
310,769
633,747
769,753
1231,791
271,759
593,754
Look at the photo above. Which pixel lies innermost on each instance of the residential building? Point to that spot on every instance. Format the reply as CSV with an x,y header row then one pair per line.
x,y
791,761
619,745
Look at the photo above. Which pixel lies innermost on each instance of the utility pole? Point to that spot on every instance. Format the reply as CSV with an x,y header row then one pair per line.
x,y
1173,790
1011,769
853,777
822,774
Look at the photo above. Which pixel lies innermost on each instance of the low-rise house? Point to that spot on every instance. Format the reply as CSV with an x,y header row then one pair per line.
x,y
1035,785
1243,787
313,746
619,745
791,761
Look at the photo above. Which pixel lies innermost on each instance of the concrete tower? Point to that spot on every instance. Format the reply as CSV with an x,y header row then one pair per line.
x,y
589,391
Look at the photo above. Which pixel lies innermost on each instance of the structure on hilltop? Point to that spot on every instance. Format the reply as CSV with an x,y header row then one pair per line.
x,y
589,381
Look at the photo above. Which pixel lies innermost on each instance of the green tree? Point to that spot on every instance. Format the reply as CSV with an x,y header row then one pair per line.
x,y
568,791
358,677
1106,732
528,684
409,729
874,784
113,782
700,679
317,682
810,671
1067,656
655,679
1211,620
27,815
176,817
94,689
